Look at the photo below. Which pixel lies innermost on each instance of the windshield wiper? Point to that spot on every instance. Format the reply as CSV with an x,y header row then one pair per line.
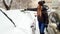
x,y
8,17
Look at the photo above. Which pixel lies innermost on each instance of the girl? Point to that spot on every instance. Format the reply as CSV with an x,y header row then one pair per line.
x,y
42,17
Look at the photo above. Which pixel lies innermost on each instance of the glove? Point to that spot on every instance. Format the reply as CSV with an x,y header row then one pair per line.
x,y
32,26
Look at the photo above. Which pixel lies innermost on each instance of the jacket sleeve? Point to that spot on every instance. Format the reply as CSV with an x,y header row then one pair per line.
x,y
47,18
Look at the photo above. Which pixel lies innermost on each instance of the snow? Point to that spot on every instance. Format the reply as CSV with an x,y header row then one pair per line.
x,y
5,24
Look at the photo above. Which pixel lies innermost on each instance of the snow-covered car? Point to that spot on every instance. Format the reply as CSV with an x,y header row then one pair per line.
x,y
23,20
